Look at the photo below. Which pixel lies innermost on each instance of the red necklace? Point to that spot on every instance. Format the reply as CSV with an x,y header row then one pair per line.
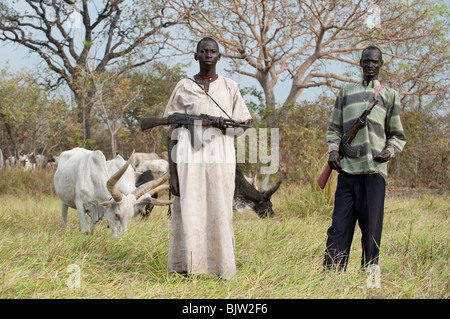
x,y
207,78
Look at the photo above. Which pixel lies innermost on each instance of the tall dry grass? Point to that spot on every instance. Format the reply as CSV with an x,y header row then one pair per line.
x,y
276,258
17,181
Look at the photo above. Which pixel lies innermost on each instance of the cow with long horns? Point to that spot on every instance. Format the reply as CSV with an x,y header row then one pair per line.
x,y
82,182
246,196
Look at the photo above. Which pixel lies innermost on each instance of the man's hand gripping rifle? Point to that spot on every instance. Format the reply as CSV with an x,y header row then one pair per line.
x,y
344,145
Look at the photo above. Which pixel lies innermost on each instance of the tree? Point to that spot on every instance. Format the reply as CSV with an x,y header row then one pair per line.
x,y
114,94
30,117
157,81
309,42
123,96
79,37
38,120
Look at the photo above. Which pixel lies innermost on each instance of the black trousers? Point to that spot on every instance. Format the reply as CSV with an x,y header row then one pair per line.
x,y
358,198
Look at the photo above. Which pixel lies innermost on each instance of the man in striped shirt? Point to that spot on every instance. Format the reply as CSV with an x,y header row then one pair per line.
x,y
360,191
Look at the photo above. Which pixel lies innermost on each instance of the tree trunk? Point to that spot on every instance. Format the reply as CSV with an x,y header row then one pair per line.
x,y
84,101
268,85
113,145
12,138
272,118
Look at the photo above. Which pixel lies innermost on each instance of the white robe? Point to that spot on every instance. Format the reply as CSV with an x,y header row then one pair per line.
x,y
201,237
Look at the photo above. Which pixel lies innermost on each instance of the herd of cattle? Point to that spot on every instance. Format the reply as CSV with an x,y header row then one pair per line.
x,y
28,161
120,190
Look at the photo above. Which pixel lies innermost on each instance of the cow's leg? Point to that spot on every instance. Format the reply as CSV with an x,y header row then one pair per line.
x,y
84,226
92,209
64,209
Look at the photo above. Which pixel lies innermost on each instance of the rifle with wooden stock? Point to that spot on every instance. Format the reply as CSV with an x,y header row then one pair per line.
x,y
183,119
188,121
344,145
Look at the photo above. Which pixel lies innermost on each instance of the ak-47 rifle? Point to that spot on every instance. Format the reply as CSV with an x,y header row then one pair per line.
x,y
188,121
344,145
185,119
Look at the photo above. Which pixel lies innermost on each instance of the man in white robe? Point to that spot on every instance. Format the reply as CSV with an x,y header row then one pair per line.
x,y
202,238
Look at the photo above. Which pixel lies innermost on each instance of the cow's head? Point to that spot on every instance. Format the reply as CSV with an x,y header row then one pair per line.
x,y
247,196
121,207
264,207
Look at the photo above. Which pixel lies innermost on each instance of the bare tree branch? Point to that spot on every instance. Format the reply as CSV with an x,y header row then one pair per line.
x,y
118,28
304,39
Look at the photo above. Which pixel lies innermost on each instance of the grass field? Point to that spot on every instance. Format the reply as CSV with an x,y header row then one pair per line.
x,y
276,258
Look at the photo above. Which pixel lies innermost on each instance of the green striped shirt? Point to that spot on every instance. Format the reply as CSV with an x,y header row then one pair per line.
x,y
382,129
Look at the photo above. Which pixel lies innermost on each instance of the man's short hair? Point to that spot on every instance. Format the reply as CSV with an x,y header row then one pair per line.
x,y
207,39
372,47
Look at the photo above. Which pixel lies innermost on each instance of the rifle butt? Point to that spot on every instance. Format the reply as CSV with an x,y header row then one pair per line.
x,y
323,177
150,122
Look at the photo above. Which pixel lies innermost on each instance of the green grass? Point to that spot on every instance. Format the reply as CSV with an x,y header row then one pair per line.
x,y
276,258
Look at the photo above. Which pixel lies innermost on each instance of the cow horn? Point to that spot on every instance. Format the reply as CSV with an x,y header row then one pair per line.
x,y
268,193
157,202
159,189
147,187
112,181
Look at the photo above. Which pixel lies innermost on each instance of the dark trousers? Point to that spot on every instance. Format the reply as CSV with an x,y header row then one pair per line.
x,y
358,198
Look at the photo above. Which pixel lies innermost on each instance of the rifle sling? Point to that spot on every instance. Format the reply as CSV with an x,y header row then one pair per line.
x,y
211,98
345,147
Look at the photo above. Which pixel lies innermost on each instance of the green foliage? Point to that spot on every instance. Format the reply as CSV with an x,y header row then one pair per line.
x,y
157,82
88,44
32,118
303,140
255,102
425,159
43,122
303,152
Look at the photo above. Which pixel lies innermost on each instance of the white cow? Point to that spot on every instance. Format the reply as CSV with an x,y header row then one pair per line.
x,y
158,167
140,157
128,179
41,161
82,181
10,161
126,184
26,163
